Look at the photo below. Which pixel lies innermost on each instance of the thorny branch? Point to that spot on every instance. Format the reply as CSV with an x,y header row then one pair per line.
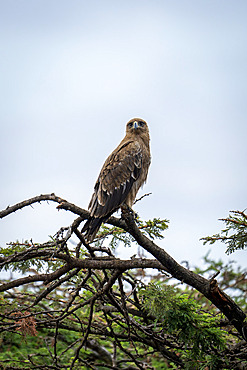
x,y
98,296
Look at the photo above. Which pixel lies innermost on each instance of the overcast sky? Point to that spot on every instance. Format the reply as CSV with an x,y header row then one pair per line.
x,y
74,72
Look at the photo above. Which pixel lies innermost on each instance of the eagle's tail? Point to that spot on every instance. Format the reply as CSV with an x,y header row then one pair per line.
x,y
92,226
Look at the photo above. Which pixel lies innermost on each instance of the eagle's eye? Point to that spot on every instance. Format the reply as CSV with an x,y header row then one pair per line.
x,y
130,124
141,123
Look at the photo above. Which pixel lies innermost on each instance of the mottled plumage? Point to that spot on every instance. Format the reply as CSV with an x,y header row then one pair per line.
x,y
121,176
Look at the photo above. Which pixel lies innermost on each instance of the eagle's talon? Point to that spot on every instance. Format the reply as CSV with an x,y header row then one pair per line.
x,y
128,210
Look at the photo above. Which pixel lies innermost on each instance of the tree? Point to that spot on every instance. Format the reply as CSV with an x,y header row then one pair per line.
x,y
83,308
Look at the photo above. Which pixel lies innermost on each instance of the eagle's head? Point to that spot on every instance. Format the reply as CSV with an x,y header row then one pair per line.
x,y
137,126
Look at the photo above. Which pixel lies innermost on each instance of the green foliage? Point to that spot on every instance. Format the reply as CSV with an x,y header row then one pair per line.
x,y
21,264
151,228
235,233
18,247
115,235
182,317
15,349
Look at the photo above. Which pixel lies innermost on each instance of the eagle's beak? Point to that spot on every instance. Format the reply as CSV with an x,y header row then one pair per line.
x,y
135,125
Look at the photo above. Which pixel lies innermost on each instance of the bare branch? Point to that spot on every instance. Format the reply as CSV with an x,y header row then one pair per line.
x,y
32,278
28,202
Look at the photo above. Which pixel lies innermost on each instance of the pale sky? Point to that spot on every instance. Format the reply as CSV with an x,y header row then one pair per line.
x,y
74,72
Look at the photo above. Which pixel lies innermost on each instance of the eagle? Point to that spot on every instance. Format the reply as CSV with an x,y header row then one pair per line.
x,y
122,175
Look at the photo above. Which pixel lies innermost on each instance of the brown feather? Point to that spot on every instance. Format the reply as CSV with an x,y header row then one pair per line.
x,y
122,175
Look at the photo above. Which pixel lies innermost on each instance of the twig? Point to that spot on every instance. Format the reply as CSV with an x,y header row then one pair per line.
x,y
143,196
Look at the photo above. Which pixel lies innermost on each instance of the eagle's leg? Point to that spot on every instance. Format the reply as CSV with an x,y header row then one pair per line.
x,y
125,208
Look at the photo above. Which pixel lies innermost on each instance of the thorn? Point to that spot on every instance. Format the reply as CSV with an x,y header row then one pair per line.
x,y
214,276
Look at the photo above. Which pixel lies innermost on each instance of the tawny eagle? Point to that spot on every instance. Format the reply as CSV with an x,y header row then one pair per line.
x,y
121,176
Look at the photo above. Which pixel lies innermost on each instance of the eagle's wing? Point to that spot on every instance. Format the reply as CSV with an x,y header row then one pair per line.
x,y
119,172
